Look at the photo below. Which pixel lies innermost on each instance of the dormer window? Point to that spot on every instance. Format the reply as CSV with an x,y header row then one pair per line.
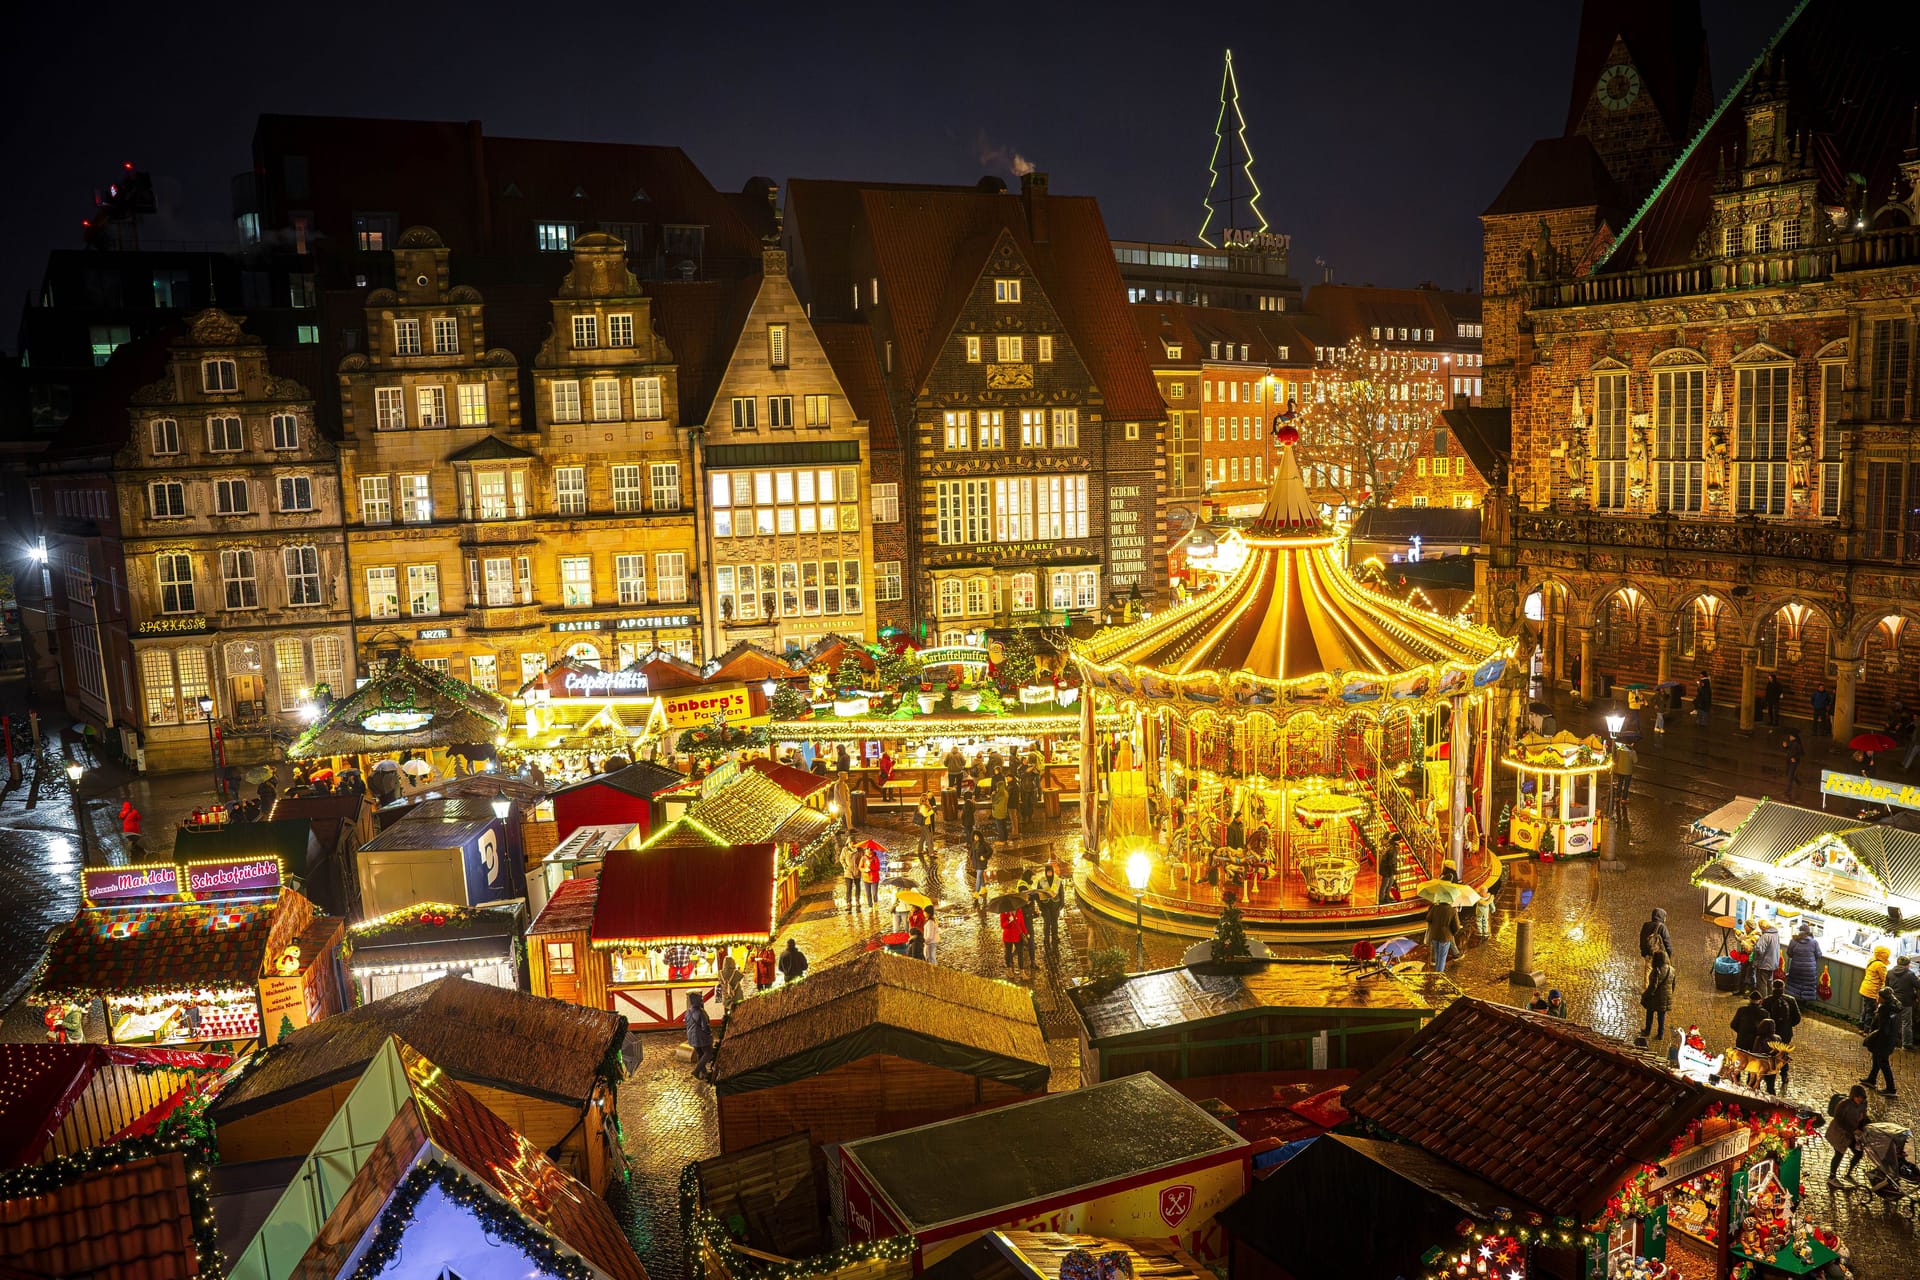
x,y
406,337
1006,291
219,375
1213,351
1173,350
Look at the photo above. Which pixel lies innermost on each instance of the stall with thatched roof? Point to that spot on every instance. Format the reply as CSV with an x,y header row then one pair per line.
x,y
407,707
882,1042
540,1065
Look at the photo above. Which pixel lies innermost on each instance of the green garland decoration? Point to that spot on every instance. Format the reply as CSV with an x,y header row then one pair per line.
x,y
495,1218
699,1227
185,1131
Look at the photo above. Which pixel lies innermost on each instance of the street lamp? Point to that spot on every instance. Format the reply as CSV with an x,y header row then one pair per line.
x,y
74,770
1616,721
213,752
1139,873
769,688
502,806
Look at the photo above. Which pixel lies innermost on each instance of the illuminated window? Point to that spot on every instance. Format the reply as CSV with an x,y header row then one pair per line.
x,y
376,500
219,375
1006,291
620,330
301,565
665,478
566,401
576,582
554,237
647,399
406,337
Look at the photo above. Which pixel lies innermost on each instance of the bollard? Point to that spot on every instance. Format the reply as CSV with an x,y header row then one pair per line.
x,y
1524,974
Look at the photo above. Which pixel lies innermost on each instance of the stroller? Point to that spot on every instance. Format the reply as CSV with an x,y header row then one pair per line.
x,y
1891,1174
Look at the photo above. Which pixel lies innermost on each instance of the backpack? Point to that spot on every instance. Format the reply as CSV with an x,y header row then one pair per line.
x,y
1649,935
1833,1104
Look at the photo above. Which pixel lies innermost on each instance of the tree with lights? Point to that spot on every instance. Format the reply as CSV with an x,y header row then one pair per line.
x,y
1230,166
1361,424
1230,934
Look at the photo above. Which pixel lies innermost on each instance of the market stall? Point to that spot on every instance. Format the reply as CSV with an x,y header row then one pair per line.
x,y
768,803
62,1099
630,794
1279,734
580,854
443,851
407,708
204,953
1855,886
418,944
1558,809
664,914
1129,1158
572,718
1662,1171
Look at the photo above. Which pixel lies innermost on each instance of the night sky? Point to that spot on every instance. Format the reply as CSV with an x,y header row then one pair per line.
x,y
1379,130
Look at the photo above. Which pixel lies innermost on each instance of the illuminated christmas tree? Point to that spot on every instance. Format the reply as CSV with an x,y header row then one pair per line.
x,y
1231,166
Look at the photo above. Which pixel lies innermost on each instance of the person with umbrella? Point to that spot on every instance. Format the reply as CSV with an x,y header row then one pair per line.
x,y
870,872
1049,889
852,868
916,939
1443,921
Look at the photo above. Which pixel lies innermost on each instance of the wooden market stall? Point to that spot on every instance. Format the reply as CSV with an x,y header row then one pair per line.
x,y
1276,741
580,854
739,806
630,794
207,953
561,962
62,1099
1854,885
419,1164
539,1065
406,708
1558,808
423,943
766,1202
339,822
443,851
878,1043
663,915
1130,1157
1293,1014
1622,1157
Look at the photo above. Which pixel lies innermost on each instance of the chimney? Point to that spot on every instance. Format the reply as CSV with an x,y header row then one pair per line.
x,y
1033,190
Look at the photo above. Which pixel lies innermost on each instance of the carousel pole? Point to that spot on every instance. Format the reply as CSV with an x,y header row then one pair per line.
x,y
1089,785
1487,733
1460,762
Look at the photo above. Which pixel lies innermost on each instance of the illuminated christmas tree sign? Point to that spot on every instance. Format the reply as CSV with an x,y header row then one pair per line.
x,y
393,720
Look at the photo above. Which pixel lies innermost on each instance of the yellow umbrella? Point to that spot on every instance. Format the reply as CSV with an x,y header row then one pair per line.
x,y
912,897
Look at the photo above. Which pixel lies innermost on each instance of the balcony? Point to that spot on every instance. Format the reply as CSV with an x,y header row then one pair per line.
x,y
504,617
497,533
1863,251
1746,536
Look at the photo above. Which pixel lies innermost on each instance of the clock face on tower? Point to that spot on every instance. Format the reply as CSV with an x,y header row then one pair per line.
x,y
1619,87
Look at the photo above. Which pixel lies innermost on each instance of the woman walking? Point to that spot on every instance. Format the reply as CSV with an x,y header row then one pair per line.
x,y
1657,997
1883,1032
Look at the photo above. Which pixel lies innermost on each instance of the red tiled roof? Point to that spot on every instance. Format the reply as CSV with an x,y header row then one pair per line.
x,y
930,244
1551,1111
170,948
670,893
748,661
1351,310
700,322
1850,87
849,348
130,1222
569,910
795,782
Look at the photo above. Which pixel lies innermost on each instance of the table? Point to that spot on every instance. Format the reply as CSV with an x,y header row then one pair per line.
x,y
1727,925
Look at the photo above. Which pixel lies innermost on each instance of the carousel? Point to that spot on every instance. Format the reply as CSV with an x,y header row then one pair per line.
x,y
1283,735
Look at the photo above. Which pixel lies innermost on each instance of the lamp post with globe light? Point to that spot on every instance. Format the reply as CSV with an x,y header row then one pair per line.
x,y
74,770
1139,874
770,687
213,750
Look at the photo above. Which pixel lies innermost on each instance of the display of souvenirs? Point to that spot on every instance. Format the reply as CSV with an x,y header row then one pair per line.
x,y
1645,1269
1694,1207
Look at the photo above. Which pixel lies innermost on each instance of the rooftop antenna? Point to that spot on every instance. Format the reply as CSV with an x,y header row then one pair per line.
x,y
1230,137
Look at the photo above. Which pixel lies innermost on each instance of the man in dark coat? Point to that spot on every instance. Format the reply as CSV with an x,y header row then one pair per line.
x,y
1654,934
1389,868
1746,1021
1771,699
793,963
1443,930
1785,1012
1703,700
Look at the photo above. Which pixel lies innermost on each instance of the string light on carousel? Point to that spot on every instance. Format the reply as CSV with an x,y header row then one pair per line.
x,y
1278,741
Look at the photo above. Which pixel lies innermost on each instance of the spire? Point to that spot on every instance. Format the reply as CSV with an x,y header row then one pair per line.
x,y
1235,166
1288,508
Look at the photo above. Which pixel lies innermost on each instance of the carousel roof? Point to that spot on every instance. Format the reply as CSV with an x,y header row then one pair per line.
x,y
1292,614
407,707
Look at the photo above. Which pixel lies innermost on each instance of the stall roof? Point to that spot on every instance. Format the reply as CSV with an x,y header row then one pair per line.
x,y
288,839
798,783
1409,1199
641,778
1142,1003
485,786
1775,831
749,662
746,810
425,831
885,1003
673,893
324,814
44,1081
169,948
960,1169
591,842
478,1033
802,827
1729,815
126,1222
477,935
1039,1255
570,909
1869,912
456,714
404,1111
1543,1108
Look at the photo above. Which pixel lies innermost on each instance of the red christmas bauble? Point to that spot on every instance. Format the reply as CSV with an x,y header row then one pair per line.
x,y
1286,433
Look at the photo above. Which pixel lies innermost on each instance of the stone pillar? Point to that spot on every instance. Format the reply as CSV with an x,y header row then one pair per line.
x,y
1585,637
1556,648
1749,673
1846,677
1664,672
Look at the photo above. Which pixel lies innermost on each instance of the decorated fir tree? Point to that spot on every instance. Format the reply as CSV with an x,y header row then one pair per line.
x,y
1016,662
849,674
1230,935
286,1028
789,703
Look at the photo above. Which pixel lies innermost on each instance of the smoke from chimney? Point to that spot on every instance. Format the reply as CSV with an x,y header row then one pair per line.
x,y
1000,157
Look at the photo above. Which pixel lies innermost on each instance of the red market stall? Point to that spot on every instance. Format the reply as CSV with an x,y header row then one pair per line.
x,y
62,1099
608,799
664,914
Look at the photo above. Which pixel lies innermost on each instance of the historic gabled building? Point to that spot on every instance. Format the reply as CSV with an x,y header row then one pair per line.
x,y
236,562
784,457
1713,410
426,390
616,558
1033,476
